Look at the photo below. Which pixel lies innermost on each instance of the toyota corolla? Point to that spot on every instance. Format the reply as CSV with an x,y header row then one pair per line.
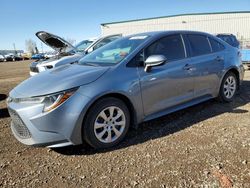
x,y
128,81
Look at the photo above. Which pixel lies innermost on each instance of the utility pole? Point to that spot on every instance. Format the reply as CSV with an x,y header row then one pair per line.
x,y
42,46
14,48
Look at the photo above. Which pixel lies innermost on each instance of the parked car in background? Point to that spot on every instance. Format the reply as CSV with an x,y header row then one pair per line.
x,y
245,57
13,57
49,55
2,58
9,57
26,56
133,79
230,39
38,56
66,53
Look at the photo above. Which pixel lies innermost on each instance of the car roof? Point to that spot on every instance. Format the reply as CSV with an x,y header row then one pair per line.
x,y
224,34
156,33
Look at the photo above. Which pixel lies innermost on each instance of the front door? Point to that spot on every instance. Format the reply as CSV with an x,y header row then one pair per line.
x,y
170,84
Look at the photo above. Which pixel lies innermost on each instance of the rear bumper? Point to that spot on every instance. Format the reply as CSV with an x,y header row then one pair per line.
x,y
241,73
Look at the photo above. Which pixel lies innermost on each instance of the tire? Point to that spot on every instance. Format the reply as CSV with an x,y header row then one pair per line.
x,y
228,87
103,130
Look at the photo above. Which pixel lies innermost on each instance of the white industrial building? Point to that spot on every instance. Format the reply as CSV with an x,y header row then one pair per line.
x,y
237,23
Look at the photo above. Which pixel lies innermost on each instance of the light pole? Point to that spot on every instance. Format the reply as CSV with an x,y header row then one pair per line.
x,y
14,48
42,46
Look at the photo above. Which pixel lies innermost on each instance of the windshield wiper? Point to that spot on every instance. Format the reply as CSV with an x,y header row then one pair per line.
x,y
90,64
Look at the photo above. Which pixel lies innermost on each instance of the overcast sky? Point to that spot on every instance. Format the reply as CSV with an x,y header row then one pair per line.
x,y
81,19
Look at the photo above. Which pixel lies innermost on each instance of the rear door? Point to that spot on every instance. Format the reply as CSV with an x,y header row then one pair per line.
x,y
206,64
170,84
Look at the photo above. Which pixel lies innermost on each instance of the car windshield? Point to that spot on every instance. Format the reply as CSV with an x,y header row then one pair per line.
x,y
81,46
114,52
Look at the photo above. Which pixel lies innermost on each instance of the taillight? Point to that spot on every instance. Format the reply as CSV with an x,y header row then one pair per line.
x,y
239,54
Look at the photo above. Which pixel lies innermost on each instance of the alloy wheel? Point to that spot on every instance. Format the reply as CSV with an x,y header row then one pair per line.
x,y
109,124
229,87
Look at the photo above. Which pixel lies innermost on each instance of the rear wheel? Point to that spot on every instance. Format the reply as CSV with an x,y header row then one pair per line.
x,y
106,123
228,87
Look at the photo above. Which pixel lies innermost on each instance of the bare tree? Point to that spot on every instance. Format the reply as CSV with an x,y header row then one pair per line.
x,y
30,46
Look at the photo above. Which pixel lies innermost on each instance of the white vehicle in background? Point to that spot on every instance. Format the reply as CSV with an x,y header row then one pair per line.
x,y
49,55
66,52
2,58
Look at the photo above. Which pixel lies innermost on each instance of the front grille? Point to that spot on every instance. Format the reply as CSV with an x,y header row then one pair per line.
x,y
18,126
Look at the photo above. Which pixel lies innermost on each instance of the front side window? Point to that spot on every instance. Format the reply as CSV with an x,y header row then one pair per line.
x,y
171,47
114,52
199,44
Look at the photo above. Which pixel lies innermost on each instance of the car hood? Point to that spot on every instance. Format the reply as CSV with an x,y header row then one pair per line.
x,y
59,79
57,59
55,42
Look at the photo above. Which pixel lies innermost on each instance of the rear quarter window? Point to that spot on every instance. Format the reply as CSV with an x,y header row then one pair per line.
x,y
216,46
199,44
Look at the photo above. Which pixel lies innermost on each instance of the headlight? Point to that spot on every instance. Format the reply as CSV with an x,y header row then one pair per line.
x,y
50,101
49,67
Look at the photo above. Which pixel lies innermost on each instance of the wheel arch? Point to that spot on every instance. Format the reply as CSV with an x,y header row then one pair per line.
x,y
126,101
120,96
236,72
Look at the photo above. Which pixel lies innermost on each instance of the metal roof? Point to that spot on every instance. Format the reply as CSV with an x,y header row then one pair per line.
x,y
177,15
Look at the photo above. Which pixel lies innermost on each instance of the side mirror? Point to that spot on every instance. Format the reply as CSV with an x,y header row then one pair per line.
x,y
154,60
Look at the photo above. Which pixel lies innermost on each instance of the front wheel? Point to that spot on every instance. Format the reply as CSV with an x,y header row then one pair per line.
x,y
228,87
106,123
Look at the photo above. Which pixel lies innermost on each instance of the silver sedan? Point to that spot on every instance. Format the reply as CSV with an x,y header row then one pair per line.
x,y
131,80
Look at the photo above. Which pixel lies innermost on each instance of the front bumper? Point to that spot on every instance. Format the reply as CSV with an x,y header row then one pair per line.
x,y
57,128
33,73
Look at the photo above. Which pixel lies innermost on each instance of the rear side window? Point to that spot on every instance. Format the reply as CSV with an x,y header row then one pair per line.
x,y
171,47
216,46
199,44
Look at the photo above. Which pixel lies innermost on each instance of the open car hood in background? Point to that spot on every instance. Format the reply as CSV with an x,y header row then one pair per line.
x,y
53,41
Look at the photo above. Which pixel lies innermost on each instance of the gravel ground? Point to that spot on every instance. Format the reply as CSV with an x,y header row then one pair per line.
x,y
207,145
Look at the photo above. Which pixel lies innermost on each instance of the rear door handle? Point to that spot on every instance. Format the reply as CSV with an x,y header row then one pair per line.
x,y
187,67
219,58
